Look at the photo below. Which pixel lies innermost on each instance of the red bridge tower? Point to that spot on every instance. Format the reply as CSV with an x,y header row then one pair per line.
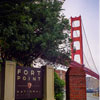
x,y
77,38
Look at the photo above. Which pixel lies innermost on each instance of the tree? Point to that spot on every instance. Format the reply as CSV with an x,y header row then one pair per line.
x,y
32,29
59,86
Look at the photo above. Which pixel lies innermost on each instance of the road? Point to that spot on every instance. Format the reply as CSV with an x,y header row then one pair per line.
x,y
91,97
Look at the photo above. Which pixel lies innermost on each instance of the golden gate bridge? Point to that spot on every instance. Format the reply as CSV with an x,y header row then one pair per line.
x,y
77,53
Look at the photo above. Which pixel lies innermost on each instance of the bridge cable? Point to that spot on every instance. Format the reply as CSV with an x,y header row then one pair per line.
x,y
86,60
89,48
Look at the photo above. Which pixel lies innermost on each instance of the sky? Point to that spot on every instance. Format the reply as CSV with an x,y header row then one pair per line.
x,y
89,11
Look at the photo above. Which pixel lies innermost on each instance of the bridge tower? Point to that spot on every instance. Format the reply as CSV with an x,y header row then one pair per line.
x,y
76,38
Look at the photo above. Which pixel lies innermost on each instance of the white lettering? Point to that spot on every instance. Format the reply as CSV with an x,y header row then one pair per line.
x,y
38,73
24,78
34,78
32,72
39,78
25,72
18,71
18,77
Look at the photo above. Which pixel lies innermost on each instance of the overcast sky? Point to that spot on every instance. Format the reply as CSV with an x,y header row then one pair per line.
x,y
89,11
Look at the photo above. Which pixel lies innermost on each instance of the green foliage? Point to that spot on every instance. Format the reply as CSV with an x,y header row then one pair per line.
x,y
32,29
59,86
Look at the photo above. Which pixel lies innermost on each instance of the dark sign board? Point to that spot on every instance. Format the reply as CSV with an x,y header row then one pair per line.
x,y
29,83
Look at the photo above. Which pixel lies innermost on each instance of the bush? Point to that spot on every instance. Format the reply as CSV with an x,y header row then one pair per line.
x,y
58,86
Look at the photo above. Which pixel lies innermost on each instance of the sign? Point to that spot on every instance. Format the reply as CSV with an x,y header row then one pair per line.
x,y
29,83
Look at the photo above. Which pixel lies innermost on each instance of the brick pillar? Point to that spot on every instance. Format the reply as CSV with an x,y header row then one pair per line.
x,y
75,84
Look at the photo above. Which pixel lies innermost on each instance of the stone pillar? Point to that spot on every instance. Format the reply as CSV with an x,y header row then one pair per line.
x,y
75,84
48,83
9,87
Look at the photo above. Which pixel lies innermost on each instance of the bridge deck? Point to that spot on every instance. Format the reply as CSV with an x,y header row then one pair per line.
x,y
87,70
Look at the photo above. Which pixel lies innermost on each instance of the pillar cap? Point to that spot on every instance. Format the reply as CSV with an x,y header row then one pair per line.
x,y
76,71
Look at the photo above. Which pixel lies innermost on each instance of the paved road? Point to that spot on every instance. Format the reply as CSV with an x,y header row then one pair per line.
x,y
91,97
